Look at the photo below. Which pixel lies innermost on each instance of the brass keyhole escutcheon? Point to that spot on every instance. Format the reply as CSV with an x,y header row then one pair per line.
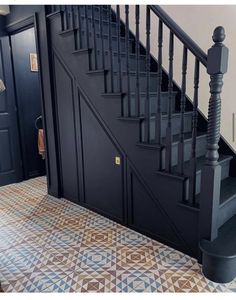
x,y
117,160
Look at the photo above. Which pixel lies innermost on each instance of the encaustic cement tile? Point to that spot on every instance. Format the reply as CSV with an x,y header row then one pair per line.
x,y
53,245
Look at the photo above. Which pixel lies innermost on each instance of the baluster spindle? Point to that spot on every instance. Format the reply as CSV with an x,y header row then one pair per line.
x,y
66,16
73,16
86,25
69,17
137,47
94,40
74,27
101,37
118,46
217,62
147,102
159,82
182,111
79,25
110,47
87,34
193,161
62,13
127,58
168,159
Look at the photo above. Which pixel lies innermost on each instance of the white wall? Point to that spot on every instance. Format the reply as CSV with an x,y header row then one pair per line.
x,y
199,21
4,10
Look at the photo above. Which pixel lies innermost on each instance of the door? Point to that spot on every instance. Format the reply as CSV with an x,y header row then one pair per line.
x,y
10,156
28,99
65,108
103,167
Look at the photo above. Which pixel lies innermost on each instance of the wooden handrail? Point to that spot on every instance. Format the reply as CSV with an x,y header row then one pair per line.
x,y
180,34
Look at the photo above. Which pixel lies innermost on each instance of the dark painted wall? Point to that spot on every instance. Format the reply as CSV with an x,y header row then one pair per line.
x,y
2,25
20,12
27,97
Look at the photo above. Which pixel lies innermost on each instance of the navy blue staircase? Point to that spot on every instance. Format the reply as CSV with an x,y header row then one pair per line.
x,y
162,133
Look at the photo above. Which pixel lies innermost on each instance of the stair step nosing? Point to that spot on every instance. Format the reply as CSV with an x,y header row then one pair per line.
x,y
91,72
83,50
67,31
149,146
152,93
189,207
130,119
53,14
227,201
113,95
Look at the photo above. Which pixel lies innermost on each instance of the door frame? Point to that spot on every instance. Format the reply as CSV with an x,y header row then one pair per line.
x,y
13,28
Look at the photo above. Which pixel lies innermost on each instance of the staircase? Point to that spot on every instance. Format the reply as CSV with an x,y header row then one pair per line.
x,y
186,167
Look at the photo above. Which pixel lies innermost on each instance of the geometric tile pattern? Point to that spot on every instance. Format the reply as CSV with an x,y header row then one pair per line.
x,y
53,245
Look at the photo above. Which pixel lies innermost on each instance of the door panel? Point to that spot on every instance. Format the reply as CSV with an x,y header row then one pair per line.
x,y
102,176
66,129
10,156
28,100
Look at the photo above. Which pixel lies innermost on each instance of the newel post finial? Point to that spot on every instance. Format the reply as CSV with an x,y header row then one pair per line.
x,y
217,62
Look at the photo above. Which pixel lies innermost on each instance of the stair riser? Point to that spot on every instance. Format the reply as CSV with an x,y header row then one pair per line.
x,y
153,104
200,150
106,43
142,83
132,63
224,173
227,211
105,28
176,125
89,13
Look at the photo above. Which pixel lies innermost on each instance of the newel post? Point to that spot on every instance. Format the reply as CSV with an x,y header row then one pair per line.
x,y
217,61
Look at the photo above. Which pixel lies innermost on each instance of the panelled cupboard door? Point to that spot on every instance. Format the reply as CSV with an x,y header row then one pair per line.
x,y
65,108
103,167
10,155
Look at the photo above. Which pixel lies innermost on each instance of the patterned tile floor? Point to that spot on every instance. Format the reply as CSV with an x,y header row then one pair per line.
x,y
53,245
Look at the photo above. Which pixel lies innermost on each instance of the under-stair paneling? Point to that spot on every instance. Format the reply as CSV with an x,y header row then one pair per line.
x,y
147,215
65,108
103,174
126,135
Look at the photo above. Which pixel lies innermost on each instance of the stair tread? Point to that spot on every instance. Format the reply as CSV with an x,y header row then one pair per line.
x,y
142,73
97,71
123,53
228,189
152,93
164,115
113,94
225,245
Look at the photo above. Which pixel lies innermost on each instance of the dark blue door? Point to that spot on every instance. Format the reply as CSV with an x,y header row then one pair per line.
x,y
28,99
10,156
